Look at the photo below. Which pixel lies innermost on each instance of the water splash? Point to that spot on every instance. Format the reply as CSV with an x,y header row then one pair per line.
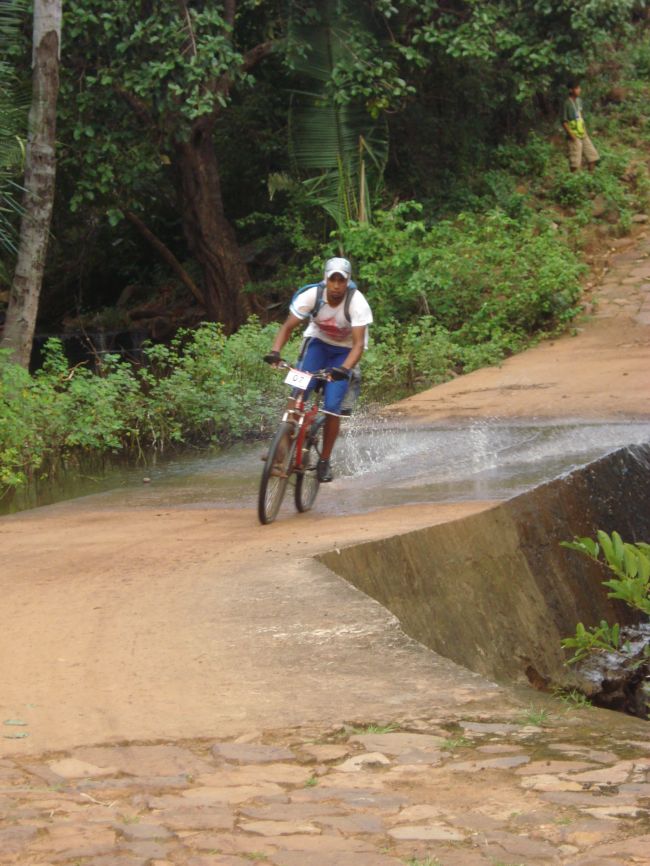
x,y
381,462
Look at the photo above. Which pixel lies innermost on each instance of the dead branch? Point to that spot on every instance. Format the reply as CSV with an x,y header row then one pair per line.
x,y
166,255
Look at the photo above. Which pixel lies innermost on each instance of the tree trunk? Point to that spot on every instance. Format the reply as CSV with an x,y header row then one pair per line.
x,y
40,168
209,235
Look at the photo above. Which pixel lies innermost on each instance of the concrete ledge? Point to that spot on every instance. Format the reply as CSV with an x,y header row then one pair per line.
x,y
494,591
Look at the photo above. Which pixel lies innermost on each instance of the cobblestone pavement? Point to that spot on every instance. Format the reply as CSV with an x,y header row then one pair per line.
x,y
624,290
562,786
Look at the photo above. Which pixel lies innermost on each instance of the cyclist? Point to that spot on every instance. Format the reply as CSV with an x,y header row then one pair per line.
x,y
335,339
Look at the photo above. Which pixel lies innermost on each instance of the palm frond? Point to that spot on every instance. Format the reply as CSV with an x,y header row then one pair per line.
x,y
12,15
14,105
341,148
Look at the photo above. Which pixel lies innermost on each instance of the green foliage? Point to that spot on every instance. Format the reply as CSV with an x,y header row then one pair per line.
x,y
157,65
535,716
598,637
528,46
375,729
13,116
203,388
428,861
572,698
630,566
404,358
454,743
332,131
629,563
480,276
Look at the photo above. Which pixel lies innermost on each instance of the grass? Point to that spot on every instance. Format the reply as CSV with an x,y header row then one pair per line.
x,y
455,743
428,861
311,782
573,698
375,729
563,821
535,716
130,819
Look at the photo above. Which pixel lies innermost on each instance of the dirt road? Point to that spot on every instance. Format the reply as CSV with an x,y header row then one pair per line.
x,y
149,623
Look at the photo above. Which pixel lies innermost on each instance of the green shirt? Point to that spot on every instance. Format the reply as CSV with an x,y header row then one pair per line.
x,y
572,115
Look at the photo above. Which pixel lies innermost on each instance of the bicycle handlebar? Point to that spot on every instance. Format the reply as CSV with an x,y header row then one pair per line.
x,y
317,374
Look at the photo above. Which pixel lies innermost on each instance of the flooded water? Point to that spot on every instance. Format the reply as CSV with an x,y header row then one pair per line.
x,y
379,463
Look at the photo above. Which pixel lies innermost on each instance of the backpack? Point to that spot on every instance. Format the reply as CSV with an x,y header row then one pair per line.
x,y
320,300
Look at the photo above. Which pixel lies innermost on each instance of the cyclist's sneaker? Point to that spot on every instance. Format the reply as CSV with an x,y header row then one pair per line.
x,y
324,471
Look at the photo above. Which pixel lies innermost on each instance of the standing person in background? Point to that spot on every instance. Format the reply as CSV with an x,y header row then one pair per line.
x,y
337,335
579,143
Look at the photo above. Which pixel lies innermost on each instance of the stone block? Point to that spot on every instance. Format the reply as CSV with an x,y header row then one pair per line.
x,y
426,833
278,828
250,753
363,762
155,760
395,743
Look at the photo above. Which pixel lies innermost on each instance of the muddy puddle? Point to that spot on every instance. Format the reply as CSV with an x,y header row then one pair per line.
x,y
378,463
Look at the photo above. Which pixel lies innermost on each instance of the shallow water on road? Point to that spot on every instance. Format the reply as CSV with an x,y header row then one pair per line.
x,y
382,463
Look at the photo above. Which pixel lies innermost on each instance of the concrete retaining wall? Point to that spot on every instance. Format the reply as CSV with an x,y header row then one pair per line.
x,y
495,591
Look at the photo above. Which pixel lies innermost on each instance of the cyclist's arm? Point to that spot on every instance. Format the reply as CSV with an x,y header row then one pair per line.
x,y
285,332
358,345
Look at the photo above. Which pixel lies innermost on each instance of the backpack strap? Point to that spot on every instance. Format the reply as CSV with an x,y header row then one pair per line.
x,y
352,287
320,300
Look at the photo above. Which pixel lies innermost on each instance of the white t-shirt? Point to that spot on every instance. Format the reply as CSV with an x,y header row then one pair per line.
x,y
331,325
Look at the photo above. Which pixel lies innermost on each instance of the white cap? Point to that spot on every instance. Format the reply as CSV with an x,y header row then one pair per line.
x,y
338,266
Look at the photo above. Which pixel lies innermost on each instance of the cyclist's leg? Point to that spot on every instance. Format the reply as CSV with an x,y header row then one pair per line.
x,y
330,435
334,395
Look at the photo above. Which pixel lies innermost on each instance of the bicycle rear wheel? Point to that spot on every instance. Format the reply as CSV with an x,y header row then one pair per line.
x,y
307,482
275,475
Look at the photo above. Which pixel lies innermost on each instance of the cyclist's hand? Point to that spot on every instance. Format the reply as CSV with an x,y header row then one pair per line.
x,y
272,358
338,374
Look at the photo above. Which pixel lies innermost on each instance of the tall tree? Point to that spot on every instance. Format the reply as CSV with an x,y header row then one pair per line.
x,y
171,66
40,169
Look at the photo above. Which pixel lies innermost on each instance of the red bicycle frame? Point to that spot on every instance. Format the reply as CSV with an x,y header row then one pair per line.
x,y
303,419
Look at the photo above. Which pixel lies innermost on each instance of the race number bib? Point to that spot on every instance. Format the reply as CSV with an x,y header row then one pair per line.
x,y
298,379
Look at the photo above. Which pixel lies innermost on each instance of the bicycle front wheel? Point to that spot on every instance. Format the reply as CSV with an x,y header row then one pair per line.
x,y
275,475
307,482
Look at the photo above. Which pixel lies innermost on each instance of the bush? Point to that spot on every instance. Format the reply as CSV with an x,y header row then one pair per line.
x,y
484,278
628,567
203,388
402,359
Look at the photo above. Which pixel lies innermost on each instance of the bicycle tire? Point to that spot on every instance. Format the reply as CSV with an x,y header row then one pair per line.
x,y
275,475
307,483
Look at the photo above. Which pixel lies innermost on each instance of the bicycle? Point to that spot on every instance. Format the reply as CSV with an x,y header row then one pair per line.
x,y
295,449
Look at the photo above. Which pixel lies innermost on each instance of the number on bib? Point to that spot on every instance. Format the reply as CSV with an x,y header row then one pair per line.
x,y
298,379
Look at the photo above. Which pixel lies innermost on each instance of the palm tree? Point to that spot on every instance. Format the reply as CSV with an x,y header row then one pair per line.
x,y
337,148
13,114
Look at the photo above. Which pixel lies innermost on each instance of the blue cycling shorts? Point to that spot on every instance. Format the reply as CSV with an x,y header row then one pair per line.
x,y
318,356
